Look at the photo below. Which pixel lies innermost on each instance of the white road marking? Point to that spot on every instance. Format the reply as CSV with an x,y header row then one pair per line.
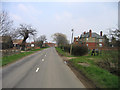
x,y
42,59
45,55
37,69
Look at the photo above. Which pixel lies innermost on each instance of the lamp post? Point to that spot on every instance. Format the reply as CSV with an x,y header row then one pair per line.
x,y
71,42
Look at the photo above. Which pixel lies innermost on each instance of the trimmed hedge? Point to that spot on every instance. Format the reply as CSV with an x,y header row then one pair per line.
x,y
77,50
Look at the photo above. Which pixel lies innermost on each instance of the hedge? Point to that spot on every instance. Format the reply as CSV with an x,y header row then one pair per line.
x,y
77,50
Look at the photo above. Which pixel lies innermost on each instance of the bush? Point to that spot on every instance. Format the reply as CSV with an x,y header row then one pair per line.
x,y
77,50
110,61
67,48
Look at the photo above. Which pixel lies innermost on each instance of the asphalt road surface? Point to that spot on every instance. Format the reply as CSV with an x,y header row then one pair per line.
x,y
44,69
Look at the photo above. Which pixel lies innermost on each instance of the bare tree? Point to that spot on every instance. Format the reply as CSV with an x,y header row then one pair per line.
x,y
117,34
106,40
40,40
25,31
60,39
5,23
114,34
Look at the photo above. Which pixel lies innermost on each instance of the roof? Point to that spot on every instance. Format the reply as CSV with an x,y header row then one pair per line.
x,y
17,41
94,35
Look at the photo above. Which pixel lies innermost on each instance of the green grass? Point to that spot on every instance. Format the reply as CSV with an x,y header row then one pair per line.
x,y
61,52
38,49
102,78
9,59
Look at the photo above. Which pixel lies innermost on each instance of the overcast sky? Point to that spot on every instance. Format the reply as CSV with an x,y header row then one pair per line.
x,y
52,17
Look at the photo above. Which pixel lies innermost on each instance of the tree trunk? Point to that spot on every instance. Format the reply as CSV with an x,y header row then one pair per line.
x,y
23,43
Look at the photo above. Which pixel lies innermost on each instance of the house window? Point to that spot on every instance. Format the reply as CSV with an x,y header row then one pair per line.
x,y
100,45
87,39
77,39
14,45
112,45
100,40
87,45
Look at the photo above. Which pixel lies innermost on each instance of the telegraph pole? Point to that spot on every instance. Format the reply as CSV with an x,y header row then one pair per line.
x,y
71,43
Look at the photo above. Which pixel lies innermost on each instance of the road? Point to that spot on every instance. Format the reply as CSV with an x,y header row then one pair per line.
x,y
44,69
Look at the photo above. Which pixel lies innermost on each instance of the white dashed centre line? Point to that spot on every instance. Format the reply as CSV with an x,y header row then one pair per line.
x,y
42,59
37,69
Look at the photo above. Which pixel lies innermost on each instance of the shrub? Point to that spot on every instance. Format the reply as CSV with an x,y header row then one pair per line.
x,y
67,48
110,61
79,50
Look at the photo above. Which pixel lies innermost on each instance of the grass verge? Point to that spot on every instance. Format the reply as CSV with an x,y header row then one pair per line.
x,y
9,59
100,77
62,53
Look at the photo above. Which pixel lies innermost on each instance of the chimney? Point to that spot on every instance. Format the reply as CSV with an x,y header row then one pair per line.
x,y
84,33
74,39
90,32
100,33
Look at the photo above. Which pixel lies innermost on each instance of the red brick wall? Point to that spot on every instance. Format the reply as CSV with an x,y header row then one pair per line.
x,y
91,44
94,45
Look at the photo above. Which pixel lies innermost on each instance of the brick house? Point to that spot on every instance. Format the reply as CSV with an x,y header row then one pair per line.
x,y
90,39
17,43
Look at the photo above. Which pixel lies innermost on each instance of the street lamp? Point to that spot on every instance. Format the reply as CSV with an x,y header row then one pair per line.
x,y
71,42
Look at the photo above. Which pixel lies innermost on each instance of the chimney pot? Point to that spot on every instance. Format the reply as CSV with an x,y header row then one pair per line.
x,y
84,32
74,39
100,33
90,31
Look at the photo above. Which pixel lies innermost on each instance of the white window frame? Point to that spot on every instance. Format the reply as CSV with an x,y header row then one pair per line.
x,y
100,40
87,45
77,39
87,39
14,45
100,45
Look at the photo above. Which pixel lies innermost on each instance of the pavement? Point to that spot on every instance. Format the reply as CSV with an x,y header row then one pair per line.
x,y
44,69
